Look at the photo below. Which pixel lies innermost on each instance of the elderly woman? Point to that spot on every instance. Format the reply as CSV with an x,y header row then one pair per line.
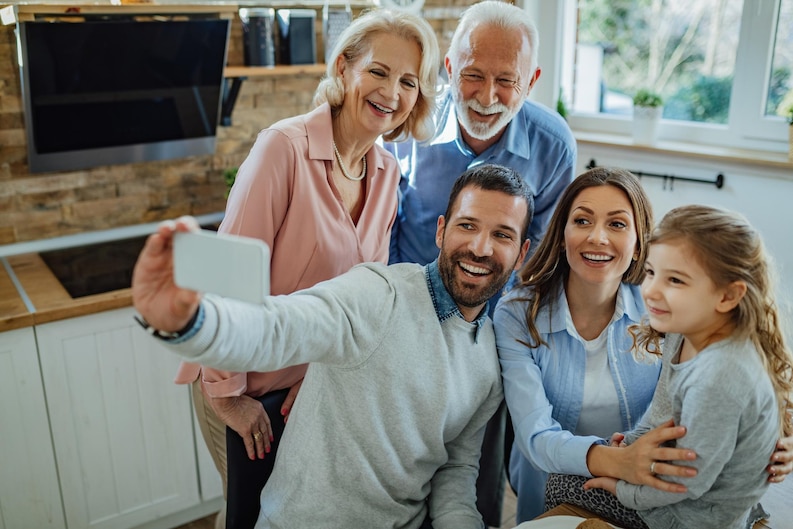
x,y
323,196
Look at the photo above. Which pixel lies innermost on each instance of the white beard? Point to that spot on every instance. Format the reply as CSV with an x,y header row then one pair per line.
x,y
479,130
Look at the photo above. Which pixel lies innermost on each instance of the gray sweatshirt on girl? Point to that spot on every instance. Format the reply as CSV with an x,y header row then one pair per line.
x,y
725,399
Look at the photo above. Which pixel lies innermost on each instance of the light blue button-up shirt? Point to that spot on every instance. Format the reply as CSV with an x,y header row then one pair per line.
x,y
537,144
544,388
445,306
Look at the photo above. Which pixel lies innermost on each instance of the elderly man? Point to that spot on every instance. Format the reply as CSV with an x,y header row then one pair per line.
x,y
403,374
484,117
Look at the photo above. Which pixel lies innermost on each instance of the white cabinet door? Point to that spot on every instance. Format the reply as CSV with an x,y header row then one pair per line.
x,y
29,495
121,427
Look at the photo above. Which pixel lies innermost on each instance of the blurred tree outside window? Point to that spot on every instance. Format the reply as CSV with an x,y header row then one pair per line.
x,y
683,50
779,101
724,68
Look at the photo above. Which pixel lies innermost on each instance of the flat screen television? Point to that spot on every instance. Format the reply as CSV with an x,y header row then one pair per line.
x,y
115,89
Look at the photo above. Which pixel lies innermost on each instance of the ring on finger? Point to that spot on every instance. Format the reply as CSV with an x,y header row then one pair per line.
x,y
652,468
257,436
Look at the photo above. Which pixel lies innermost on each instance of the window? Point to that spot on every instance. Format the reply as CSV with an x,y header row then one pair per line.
x,y
780,86
723,67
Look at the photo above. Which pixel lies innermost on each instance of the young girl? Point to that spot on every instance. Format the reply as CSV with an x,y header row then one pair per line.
x,y
727,374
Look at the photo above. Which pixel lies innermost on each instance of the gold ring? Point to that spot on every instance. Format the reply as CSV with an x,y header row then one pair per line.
x,y
257,435
652,468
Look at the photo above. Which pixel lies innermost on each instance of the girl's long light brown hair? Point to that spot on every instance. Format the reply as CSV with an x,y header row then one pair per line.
x,y
547,269
730,250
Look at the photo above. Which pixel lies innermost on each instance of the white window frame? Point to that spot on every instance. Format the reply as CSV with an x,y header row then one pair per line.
x,y
747,128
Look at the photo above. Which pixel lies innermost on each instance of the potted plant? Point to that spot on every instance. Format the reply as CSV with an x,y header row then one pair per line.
x,y
229,176
561,108
648,107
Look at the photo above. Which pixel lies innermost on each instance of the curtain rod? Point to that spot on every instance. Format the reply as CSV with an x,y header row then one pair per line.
x,y
718,182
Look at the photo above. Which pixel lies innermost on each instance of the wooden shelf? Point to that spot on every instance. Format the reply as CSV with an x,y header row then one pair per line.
x,y
273,71
237,74
314,4
29,12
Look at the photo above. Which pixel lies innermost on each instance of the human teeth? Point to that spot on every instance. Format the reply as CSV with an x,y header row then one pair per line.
x,y
597,257
474,269
381,109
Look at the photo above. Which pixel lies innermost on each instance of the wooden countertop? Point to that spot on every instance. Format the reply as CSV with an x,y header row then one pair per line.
x,y
51,301
13,312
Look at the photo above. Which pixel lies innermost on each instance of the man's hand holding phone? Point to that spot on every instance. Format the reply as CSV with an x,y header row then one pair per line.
x,y
180,260
228,265
155,296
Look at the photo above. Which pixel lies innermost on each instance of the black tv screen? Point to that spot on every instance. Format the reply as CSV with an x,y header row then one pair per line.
x,y
117,90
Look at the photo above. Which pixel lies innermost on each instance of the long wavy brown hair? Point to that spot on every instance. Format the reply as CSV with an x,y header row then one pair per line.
x,y
547,269
730,250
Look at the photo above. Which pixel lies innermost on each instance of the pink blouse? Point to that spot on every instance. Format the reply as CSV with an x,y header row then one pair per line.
x,y
284,195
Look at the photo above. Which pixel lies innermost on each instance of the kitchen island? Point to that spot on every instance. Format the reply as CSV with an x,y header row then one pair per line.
x,y
101,437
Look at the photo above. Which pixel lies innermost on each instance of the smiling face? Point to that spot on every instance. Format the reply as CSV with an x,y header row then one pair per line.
x,y
490,80
680,295
481,244
382,86
600,238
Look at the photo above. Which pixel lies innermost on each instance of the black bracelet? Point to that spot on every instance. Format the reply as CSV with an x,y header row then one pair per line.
x,y
167,335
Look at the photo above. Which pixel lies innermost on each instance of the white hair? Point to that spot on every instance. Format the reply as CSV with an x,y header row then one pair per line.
x,y
501,14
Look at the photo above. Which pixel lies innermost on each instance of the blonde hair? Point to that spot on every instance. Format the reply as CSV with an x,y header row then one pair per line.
x,y
547,269
356,40
730,249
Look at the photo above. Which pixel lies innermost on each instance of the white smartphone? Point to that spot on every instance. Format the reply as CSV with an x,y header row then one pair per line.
x,y
228,265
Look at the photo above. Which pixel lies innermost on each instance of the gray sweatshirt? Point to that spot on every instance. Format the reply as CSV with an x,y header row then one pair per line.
x,y
725,399
390,418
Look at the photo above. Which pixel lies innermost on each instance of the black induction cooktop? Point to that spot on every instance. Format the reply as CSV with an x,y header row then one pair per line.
x,y
96,268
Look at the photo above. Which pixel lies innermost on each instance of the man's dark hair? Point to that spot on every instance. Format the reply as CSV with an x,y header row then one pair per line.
x,y
492,177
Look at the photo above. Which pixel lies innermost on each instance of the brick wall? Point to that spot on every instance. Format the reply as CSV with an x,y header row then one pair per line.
x,y
40,206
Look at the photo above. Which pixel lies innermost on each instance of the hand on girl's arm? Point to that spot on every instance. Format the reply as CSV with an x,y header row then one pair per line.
x,y
781,460
634,463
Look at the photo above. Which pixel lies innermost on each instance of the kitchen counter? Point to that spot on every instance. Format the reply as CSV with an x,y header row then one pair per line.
x,y
14,314
51,300
40,297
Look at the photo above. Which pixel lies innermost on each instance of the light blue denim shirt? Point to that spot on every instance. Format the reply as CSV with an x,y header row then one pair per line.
x,y
537,144
445,306
544,387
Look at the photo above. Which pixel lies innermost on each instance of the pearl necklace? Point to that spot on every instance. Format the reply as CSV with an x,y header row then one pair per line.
x,y
344,169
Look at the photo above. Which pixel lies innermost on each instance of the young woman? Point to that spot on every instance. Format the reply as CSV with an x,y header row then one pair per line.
x,y
569,379
727,373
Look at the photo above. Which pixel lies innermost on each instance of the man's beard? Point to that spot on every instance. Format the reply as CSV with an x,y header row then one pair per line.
x,y
479,130
465,294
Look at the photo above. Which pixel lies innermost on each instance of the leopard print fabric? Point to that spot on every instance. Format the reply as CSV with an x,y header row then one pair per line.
x,y
564,488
